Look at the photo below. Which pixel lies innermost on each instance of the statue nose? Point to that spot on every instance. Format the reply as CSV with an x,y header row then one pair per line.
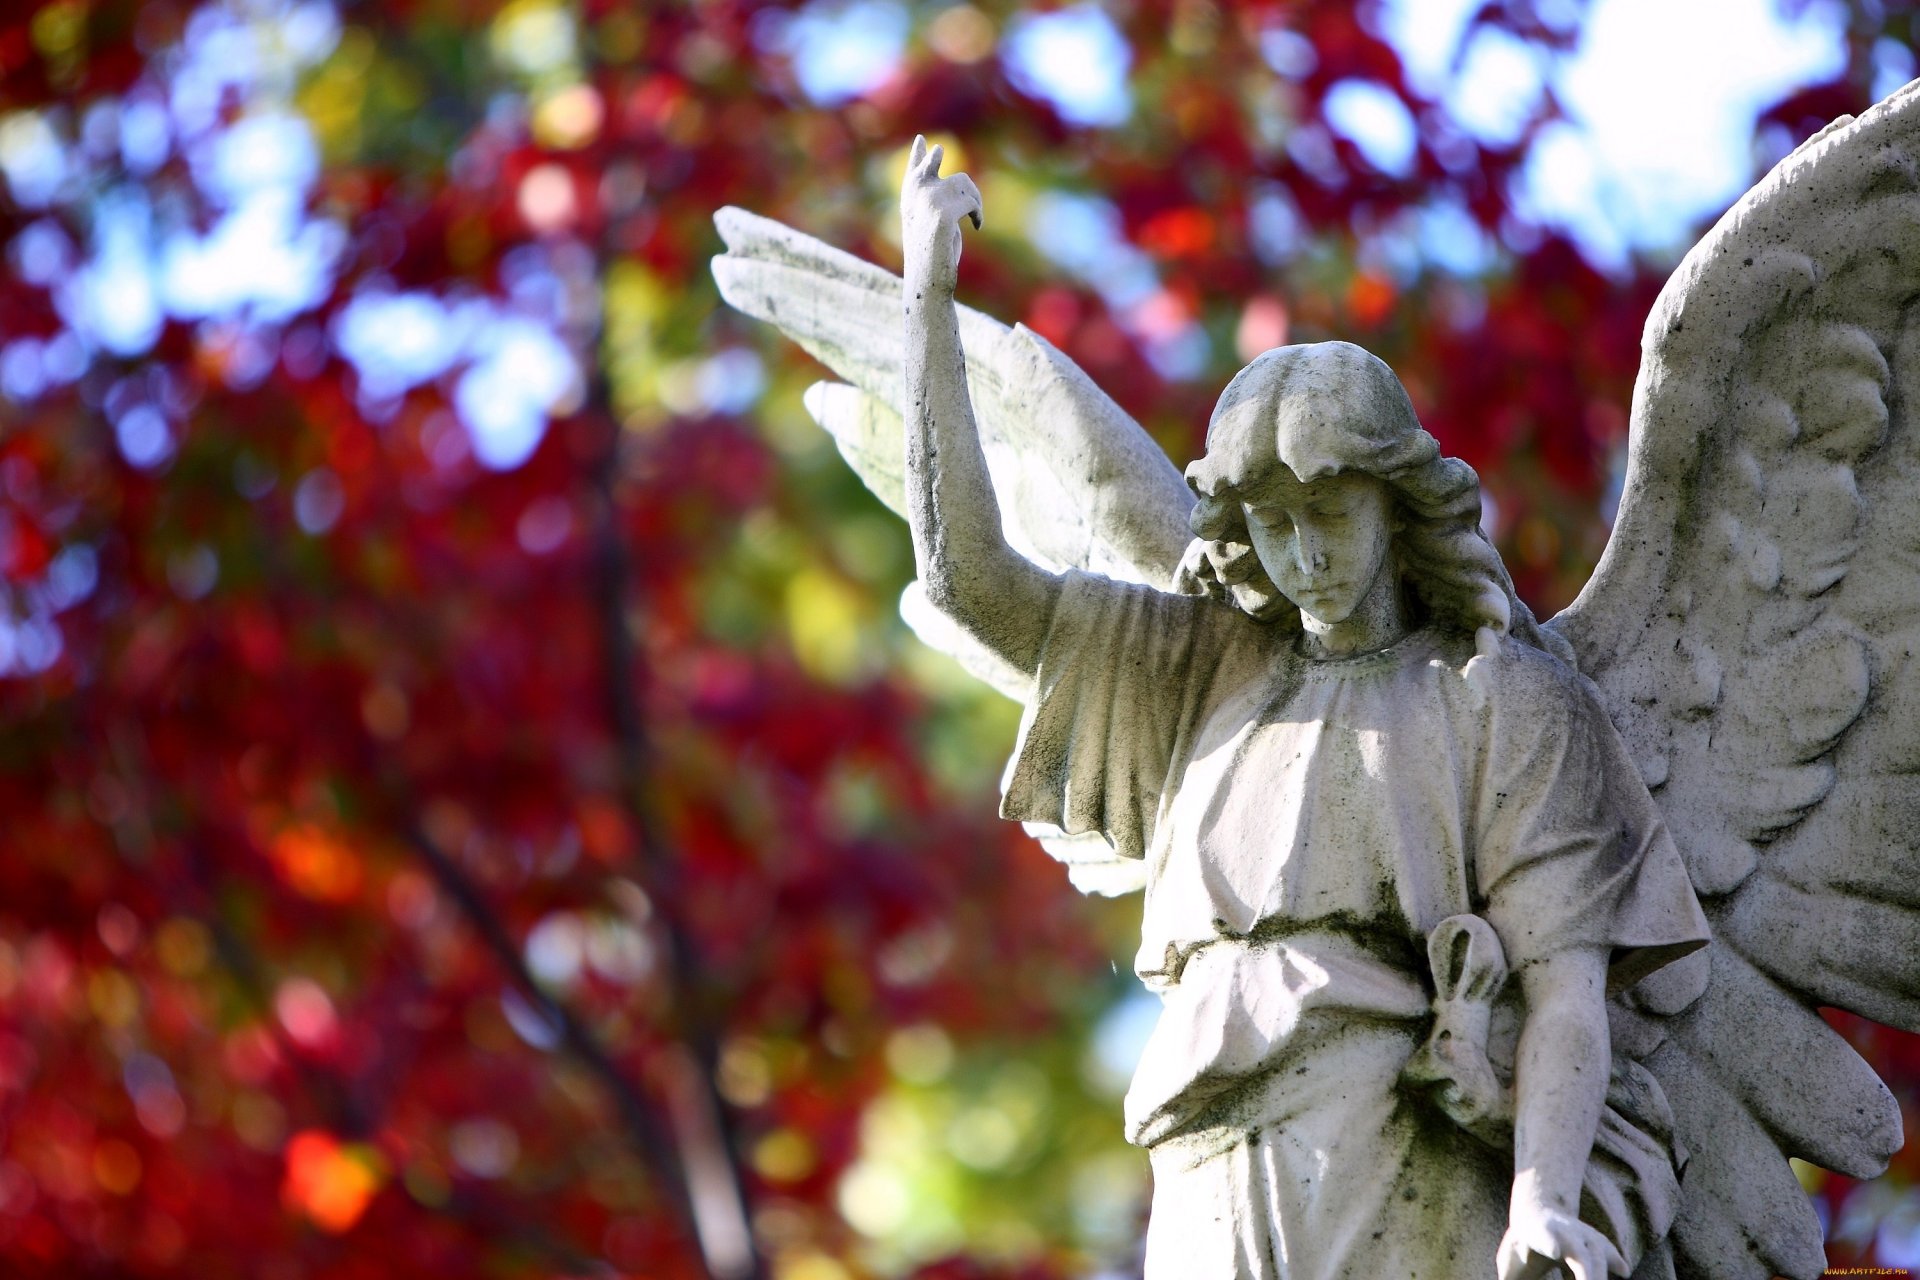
x,y
1311,557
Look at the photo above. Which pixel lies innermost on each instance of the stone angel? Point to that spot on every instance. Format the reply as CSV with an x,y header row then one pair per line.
x,y
1486,946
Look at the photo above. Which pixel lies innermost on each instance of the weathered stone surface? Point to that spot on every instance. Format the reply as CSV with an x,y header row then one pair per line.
x,y
1427,882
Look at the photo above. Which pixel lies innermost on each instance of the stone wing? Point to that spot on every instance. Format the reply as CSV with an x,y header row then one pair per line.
x,y
1754,628
1080,485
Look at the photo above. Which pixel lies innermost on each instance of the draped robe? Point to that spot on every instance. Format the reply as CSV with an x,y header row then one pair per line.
x,y
1307,823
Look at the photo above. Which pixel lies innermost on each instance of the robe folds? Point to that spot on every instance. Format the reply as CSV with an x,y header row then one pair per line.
x,y
1307,824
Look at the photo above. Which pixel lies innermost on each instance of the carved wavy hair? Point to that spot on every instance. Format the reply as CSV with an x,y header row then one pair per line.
x,y
1330,407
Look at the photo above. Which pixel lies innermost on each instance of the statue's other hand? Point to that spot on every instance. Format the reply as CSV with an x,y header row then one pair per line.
x,y
930,211
1541,1240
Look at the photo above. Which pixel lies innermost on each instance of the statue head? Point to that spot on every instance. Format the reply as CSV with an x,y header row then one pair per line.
x,y
1318,477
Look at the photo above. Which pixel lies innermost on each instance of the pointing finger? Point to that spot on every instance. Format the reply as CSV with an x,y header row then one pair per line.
x,y
918,151
933,160
972,194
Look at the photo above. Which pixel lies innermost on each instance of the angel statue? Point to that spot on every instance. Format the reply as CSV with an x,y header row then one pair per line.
x,y
1486,946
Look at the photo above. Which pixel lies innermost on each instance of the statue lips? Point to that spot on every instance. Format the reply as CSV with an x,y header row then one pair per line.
x,y
1320,594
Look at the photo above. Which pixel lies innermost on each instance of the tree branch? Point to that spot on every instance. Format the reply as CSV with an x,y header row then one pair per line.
x,y
649,1138
709,1166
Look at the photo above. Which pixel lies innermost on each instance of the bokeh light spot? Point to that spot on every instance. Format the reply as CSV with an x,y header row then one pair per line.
x,y
116,1167
840,49
961,34
306,1011
535,38
556,948
547,199
921,1054
316,864
1263,326
484,1147
1074,58
184,946
785,1155
156,1099
318,501
113,997
330,1182
385,712
569,118
873,1199
745,1078
143,436
1374,119
544,526
259,1120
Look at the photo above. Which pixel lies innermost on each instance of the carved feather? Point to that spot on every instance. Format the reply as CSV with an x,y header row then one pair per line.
x,y
1761,1045
1079,484
1742,1213
1071,469
1767,535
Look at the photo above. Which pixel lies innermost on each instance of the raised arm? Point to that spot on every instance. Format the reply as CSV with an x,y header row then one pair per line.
x,y
969,572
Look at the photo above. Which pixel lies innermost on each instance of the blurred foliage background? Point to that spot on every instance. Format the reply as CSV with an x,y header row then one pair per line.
x,y
471,806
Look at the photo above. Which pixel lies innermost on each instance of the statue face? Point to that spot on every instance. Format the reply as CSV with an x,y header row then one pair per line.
x,y
1324,543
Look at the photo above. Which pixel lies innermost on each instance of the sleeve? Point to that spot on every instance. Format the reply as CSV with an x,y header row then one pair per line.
x,y
1571,849
1123,673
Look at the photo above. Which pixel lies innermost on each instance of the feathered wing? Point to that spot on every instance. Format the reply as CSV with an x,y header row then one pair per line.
x,y
1080,485
1753,628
